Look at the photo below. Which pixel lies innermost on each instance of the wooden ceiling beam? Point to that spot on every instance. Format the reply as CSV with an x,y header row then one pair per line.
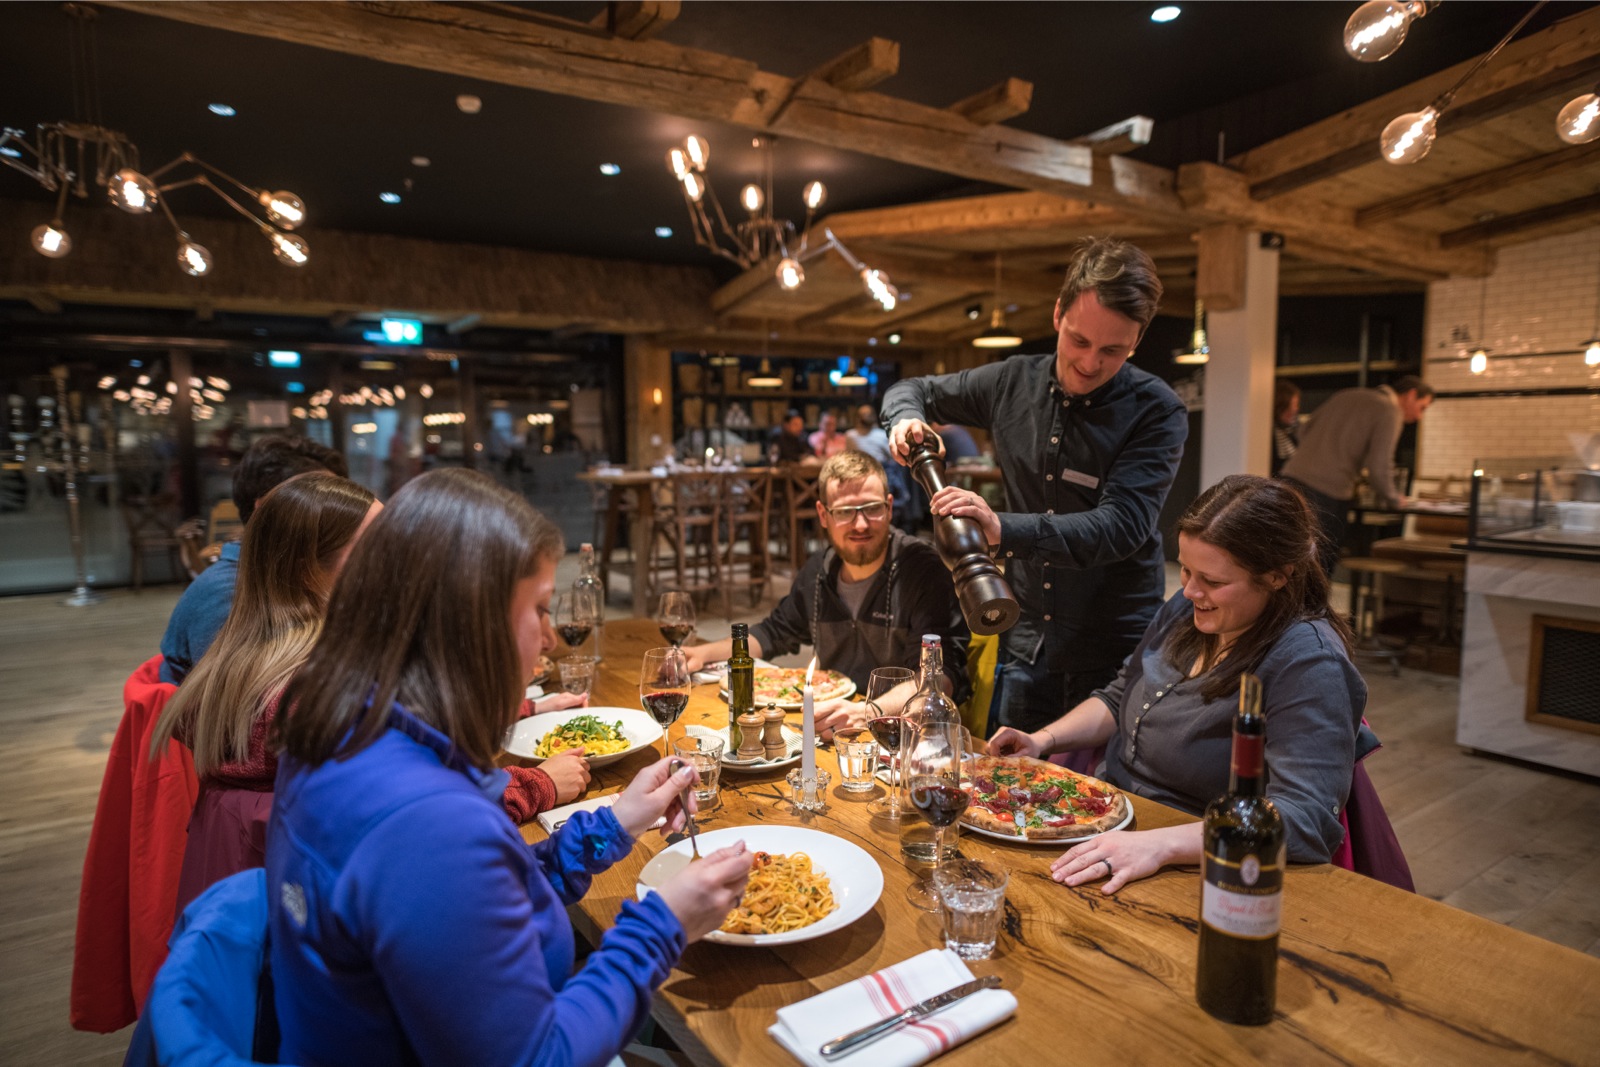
x,y
1538,168
823,314
997,103
907,271
42,302
864,66
1561,57
995,213
573,60
1119,137
1219,193
637,20
114,261
1519,224
964,300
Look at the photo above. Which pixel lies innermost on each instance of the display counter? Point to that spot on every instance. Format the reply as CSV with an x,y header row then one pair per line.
x,y
1530,674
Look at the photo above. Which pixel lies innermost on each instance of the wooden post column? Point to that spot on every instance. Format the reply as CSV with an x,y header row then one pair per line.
x,y
1238,280
647,367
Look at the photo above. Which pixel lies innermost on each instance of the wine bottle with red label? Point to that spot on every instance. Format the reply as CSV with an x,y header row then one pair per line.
x,y
1241,894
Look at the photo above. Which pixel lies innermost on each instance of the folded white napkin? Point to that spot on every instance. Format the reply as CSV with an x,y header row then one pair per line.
x,y
553,818
803,1028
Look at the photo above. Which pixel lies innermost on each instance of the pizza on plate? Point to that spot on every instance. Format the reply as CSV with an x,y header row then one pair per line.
x,y
1039,801
785,686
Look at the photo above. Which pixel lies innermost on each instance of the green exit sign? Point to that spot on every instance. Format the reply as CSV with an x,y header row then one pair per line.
x,y
402,331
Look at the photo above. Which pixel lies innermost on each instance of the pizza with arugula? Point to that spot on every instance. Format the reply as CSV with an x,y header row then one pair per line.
x,y
785,686
1038,801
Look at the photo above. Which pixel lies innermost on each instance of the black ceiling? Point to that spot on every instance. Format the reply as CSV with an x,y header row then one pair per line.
x,y
338,130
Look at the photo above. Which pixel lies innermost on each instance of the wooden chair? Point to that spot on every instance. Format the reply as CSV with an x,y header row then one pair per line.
x,y
152,527
799,512
687,516
745,557
613,516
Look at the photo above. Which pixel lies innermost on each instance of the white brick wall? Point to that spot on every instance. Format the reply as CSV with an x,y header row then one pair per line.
x,y
1544,296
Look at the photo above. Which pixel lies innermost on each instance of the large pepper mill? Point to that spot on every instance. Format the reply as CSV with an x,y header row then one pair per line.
x,y
985,598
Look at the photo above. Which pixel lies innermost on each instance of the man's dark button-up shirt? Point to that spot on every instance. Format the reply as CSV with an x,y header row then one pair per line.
x,y
1085,478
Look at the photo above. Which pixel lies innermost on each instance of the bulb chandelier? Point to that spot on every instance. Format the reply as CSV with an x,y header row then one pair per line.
x,y
760,235
1378,28
85,158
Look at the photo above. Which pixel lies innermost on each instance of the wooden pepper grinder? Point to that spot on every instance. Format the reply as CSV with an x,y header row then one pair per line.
x,y
750,724
772,735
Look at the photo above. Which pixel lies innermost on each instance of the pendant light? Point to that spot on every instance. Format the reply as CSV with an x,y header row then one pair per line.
x,y
763,378
997,334
1480,355
1199,347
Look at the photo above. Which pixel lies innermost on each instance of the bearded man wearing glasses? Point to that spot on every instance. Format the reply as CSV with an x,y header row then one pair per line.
x,y
864,600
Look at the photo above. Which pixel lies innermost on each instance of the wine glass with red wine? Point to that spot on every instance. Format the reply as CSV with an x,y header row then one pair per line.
x,y
933,770
887,691
675,616
664,688
576,613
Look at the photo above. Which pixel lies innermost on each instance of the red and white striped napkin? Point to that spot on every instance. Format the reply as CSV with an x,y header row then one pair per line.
x,y
804,1027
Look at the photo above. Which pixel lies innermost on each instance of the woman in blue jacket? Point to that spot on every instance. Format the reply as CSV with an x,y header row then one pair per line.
x,y
410,923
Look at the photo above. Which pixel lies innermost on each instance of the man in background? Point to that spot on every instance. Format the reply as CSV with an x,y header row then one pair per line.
x,y
204,606
788,441
1354,428
828,441
1285,423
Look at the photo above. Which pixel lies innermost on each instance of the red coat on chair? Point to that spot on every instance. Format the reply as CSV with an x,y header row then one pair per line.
x,y
130,875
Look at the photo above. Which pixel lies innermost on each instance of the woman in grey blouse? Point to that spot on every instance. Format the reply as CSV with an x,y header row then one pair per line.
x,y
1253,599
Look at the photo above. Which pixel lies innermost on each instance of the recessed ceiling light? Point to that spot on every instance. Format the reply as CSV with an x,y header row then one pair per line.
x,y
389,198
610,170
663,231
1166,13
469,104
225,110
420,161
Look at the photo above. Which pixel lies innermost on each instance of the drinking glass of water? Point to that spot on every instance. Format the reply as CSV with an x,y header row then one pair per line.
x,y
972,893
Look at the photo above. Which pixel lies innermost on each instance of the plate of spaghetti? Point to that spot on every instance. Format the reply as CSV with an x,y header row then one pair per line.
x,y
607,734
804,883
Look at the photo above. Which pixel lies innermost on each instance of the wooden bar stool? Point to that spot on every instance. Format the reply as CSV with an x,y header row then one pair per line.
x,y
800,512
745,558
1366,606
687,520
1454,572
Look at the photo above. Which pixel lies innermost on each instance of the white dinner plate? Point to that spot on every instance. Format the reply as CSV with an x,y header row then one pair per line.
x,y
640,730
853,875
1060,842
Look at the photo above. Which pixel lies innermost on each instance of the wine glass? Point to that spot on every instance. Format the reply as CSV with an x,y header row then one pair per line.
x,y
576,614
675,616
664,688
934,769
888,729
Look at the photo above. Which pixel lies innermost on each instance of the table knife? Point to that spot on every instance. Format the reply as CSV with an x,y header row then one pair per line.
x,y
839,1046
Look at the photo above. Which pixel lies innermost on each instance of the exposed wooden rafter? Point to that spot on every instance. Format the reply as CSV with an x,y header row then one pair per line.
x,y
1541,167
1119,137
1540,218
997,103
864,66
112,263
573,60
1563,57
636,20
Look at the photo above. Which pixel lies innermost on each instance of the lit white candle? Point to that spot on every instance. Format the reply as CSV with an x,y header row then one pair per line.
x,y
808,730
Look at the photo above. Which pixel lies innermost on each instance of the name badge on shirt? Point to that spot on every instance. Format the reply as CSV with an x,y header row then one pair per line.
x,y
1088,481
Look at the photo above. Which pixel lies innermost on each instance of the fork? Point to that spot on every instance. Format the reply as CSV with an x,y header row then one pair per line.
x,y
673,767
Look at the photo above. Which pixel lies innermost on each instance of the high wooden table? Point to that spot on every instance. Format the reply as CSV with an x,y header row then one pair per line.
x,y
639,485
1367,973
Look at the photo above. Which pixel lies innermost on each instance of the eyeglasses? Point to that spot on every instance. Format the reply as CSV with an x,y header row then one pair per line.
x,y
875,512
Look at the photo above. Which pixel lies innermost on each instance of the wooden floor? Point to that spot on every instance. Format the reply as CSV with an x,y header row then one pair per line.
x,y
1511,843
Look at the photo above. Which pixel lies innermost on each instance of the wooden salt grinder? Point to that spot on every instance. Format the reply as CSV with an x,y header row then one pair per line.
x,y
772,735
750,724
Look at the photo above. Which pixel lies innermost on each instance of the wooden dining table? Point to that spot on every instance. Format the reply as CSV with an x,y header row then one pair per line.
x,y
1367,973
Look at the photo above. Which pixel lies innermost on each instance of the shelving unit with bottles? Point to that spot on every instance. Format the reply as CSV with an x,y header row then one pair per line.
x,y
712,391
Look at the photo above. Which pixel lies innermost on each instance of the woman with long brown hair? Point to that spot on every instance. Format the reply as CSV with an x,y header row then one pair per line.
x,y
410,922
288,561
1253,599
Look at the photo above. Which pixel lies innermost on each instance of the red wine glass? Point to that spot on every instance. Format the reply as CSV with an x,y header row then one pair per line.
x,y
664,688
933,770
